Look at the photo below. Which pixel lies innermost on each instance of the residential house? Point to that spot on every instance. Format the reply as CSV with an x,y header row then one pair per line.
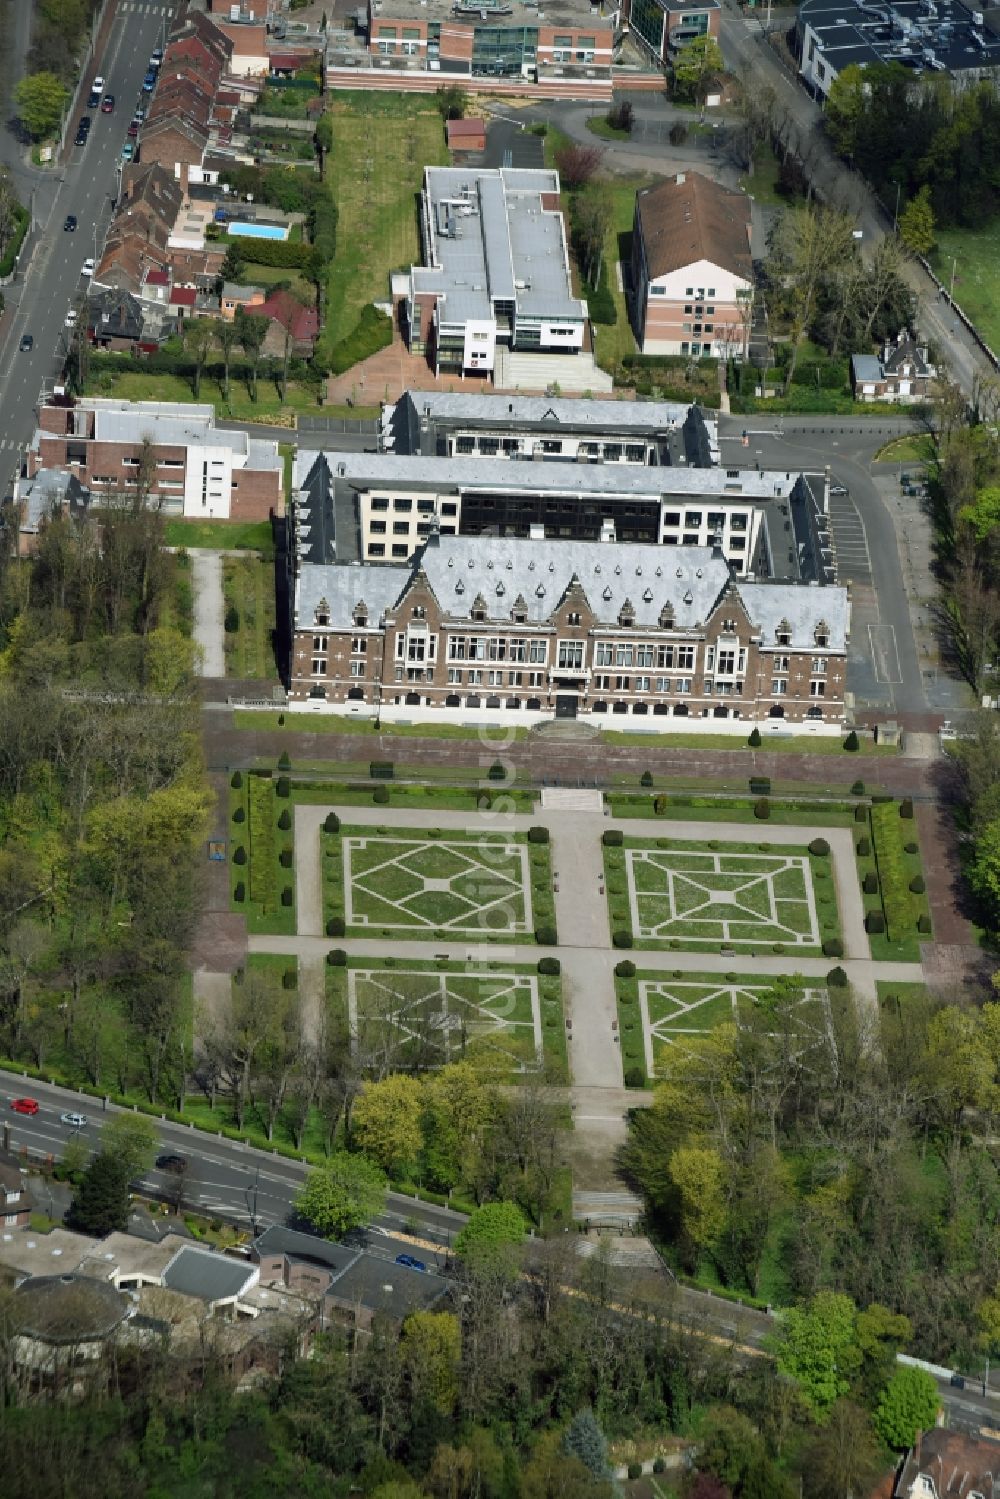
x,y
137,241
249,57
115,320
662,27
38,496
290,319
234,297
176,143
944,1464
200,470
525,630
902,373
15,1199
691,272
182,302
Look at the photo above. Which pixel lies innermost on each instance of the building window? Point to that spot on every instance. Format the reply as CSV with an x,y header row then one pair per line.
x,y
400,551
401,528
573,619
818,667
376,549
378,528
318,642
357,668
359,645
779,686
817,689
403,506
570,655
319,666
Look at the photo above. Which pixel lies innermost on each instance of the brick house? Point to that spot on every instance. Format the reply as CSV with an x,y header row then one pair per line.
x,y
15,1199
290,318
176,144
114,321
691,273
200,470
902,374
233,297
533,629
945,1464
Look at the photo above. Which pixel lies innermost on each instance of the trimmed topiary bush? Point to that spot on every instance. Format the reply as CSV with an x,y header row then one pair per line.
x,y
622,938
239,893
625,969
864,847
239,854
851,743
336,926
612,837
875,922
917,884
753,738
285,858
380,795
289,979
860,814
237,780
285,820
836,979
819,847
382,770
496,772
911,848
284,763
287,896
240,814
282,786
659,1465
337,957
870,883
550,966
646,779
634,1078
858,789
924,924
635,1470
833,948
760,785
331,823
538,835
659,805
906,807
762,809
546,936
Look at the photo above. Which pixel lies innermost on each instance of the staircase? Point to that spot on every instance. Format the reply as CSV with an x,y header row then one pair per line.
x,y
571,799
617,1209
572,373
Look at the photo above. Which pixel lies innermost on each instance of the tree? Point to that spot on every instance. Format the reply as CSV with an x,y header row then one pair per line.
x,y
577,164
131,1140
553,1473
226,336
492,1234
916,223
41,99
198,336
843,1457
698,1173
817,1347
593,215
251,332
431,1345
452,101
694,67
101,1201
585,1441
909,1404
324,142
347,1192
233,266
386,1123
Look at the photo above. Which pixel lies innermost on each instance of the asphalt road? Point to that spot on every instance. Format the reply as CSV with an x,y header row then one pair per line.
x,y
223,1177
85,186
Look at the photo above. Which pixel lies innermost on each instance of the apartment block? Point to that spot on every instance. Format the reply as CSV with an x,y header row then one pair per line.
x,y
199,471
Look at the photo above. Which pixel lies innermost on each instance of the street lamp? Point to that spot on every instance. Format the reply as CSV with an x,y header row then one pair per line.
x,y
251,1195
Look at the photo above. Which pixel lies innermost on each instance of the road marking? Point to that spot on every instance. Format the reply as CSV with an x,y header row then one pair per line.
x,y
885,655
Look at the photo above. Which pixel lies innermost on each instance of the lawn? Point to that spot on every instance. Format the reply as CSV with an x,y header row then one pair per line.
x,y
381,145
885,947
807,744
248,588
919,448
762,183
261,862
612,343
731,809
146,385
221,535
598,125
975,254
429,885
750,897
344,723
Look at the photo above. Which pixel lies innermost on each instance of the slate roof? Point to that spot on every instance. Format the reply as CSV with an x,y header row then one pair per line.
x,y
866,368
299,1246
623,416
207,1275
689,218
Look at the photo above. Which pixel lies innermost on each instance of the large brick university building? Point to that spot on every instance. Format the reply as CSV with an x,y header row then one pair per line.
x,y
512,629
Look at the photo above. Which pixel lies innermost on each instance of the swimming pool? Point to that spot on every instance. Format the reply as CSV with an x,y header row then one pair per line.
x,y
257,231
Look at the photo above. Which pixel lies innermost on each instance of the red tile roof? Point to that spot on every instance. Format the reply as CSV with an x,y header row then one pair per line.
x,y
301,322
157,278
463,129
286,61
183,296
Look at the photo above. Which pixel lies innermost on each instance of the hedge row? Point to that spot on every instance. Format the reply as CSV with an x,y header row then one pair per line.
x,y
23,219
285,254
372,331
897,901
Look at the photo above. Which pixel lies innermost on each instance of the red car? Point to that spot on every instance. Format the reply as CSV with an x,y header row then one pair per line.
x,y
24,1105
108,104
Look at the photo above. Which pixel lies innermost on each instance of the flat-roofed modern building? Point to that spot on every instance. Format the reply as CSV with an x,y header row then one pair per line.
x,y
496,272
525,630
375,507
447,424
198,470
918,35
662,27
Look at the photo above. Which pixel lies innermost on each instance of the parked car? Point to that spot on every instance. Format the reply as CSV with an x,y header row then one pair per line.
x,y
410,1262
70,321
175,1164
149,82
26,345
24,1105
75,1121
93,98
140,112
133,129
155,60
128,151
89,267
80,139
70,223
98,84
108,104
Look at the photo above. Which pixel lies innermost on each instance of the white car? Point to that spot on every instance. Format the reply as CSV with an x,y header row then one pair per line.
x,y
70,319
97,87
89,266
75,1121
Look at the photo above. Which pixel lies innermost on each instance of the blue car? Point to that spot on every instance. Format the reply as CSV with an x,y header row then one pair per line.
x,y
410,1262
149,82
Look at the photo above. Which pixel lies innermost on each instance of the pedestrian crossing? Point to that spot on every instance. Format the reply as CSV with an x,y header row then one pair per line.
x,y
7,445
143,8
